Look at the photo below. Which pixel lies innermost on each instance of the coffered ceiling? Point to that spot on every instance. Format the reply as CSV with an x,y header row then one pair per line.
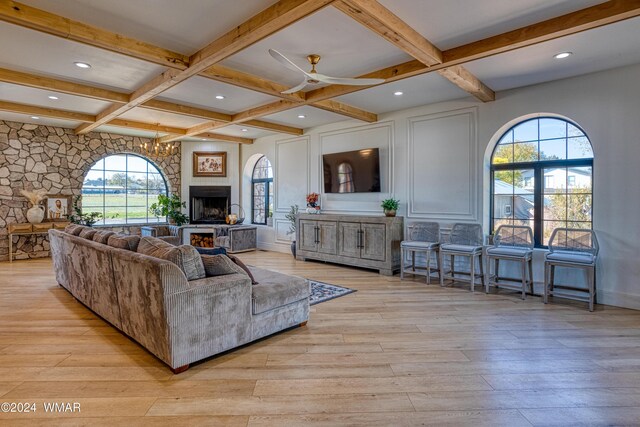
x,y
190,70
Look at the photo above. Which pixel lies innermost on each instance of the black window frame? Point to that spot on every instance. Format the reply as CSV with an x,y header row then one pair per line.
x,y
268,183
538,168
103,207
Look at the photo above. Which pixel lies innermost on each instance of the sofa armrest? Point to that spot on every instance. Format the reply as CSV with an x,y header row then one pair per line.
x,y
174,240
208,316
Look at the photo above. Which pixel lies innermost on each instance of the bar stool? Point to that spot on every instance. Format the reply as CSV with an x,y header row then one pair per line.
x,y
424,237
466,241
511,243
571,248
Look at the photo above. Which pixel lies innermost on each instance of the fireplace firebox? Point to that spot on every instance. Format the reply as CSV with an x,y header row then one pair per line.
x,y
209,204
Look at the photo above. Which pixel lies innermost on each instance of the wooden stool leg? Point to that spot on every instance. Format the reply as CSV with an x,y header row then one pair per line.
x,y
481,265
591,275
473,272
442,271
523,268
530,263
545,294
428,267
402,255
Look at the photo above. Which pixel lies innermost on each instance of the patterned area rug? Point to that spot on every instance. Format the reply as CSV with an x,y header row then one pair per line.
x,y
321,292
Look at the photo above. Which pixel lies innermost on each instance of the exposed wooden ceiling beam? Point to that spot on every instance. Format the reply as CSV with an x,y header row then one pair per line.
x,y
228,138
346,110
271,20
152,127
53,113
575,22
56,25
273,127
383,22
38,19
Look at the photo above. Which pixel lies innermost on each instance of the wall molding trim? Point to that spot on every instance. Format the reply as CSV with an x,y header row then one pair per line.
x,y
277,176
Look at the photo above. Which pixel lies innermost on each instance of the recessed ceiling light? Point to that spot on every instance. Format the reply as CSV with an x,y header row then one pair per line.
x,y
398,93
562,55
301,116
53,97
245,130
82,65
219,96
204,139
35,117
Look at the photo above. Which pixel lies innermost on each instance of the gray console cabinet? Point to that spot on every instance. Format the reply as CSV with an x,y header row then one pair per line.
x,y
362,241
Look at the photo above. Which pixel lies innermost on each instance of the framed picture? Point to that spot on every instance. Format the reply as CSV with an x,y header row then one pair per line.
x,y
57,207
206,163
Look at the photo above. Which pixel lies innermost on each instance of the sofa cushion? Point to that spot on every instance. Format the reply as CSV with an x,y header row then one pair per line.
x,y
185,257
211,251
218,265
242,265
102,236
87,233
74,229
276,290
124,241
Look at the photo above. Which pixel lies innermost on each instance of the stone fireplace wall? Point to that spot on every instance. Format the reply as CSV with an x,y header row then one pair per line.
x,y
36,156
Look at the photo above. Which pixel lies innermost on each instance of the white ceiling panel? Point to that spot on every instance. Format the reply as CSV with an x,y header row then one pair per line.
x,y
313,117
201,92
235,130
451,23
124,131
24,118
28,50
347,49
420,90
603,48
183,26
39,97
148,115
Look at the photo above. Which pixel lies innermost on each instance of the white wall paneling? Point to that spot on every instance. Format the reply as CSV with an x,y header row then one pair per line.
x,y
291,173
442,159
379,135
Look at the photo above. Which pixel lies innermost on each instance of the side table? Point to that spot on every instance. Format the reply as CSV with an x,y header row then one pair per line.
x,y
22,229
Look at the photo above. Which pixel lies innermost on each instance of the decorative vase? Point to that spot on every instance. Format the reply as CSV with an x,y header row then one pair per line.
x,y
35,214
293,248
390,212
313,209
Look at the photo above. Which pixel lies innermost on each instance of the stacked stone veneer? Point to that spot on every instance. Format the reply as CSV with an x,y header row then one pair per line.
x,y
54,158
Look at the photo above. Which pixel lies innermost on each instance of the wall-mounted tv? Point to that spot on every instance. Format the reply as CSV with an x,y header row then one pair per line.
x,y
352,171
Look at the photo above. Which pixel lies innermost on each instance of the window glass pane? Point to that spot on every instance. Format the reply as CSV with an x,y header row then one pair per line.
x,y
503,206
507,138
116,163
94,179
113,215
579,148
579,207
92,200
523,181
553,149
523,207
156,182
579,179
136,181
113,199
552,128
527,131
503,182
136,164
99,165
137,198
525,152
573,131
136,214
503,154
555,180
555,207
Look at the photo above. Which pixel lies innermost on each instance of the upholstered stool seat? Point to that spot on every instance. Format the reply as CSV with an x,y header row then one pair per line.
x,y
513,243
424,239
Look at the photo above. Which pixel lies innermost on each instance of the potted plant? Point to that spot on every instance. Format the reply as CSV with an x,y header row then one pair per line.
x,y
390,206
170,207
77,217
291,216
270,220
313,203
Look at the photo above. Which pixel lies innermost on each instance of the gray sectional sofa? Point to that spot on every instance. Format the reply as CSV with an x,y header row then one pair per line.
x,y
151,300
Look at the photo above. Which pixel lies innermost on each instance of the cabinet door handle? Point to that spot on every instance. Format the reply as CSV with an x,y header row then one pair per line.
x,y
360,239
317,230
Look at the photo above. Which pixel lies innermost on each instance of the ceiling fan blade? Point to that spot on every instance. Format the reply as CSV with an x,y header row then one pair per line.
x,y
347,81
297,88
284,61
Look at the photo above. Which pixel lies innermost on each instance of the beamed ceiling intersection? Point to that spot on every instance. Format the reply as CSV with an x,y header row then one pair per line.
x,y
280,15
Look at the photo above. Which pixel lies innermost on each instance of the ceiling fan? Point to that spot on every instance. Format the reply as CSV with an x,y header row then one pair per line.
x,y
313,77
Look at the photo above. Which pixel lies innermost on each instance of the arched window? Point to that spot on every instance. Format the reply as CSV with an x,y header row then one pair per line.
x,y
122,187
261,191
541,176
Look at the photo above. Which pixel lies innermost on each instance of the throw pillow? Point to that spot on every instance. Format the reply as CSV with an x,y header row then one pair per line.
x,y
71,228
102,236
124,241
77,229
88,233
244,267
185,256
211,251
218,265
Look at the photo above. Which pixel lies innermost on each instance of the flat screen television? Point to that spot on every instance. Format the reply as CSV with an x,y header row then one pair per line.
x,y
352,171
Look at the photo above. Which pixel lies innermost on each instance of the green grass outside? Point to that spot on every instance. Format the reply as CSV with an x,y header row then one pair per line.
x,y
115,205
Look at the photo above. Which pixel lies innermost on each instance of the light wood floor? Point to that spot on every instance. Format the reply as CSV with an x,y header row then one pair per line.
x,y
394,353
